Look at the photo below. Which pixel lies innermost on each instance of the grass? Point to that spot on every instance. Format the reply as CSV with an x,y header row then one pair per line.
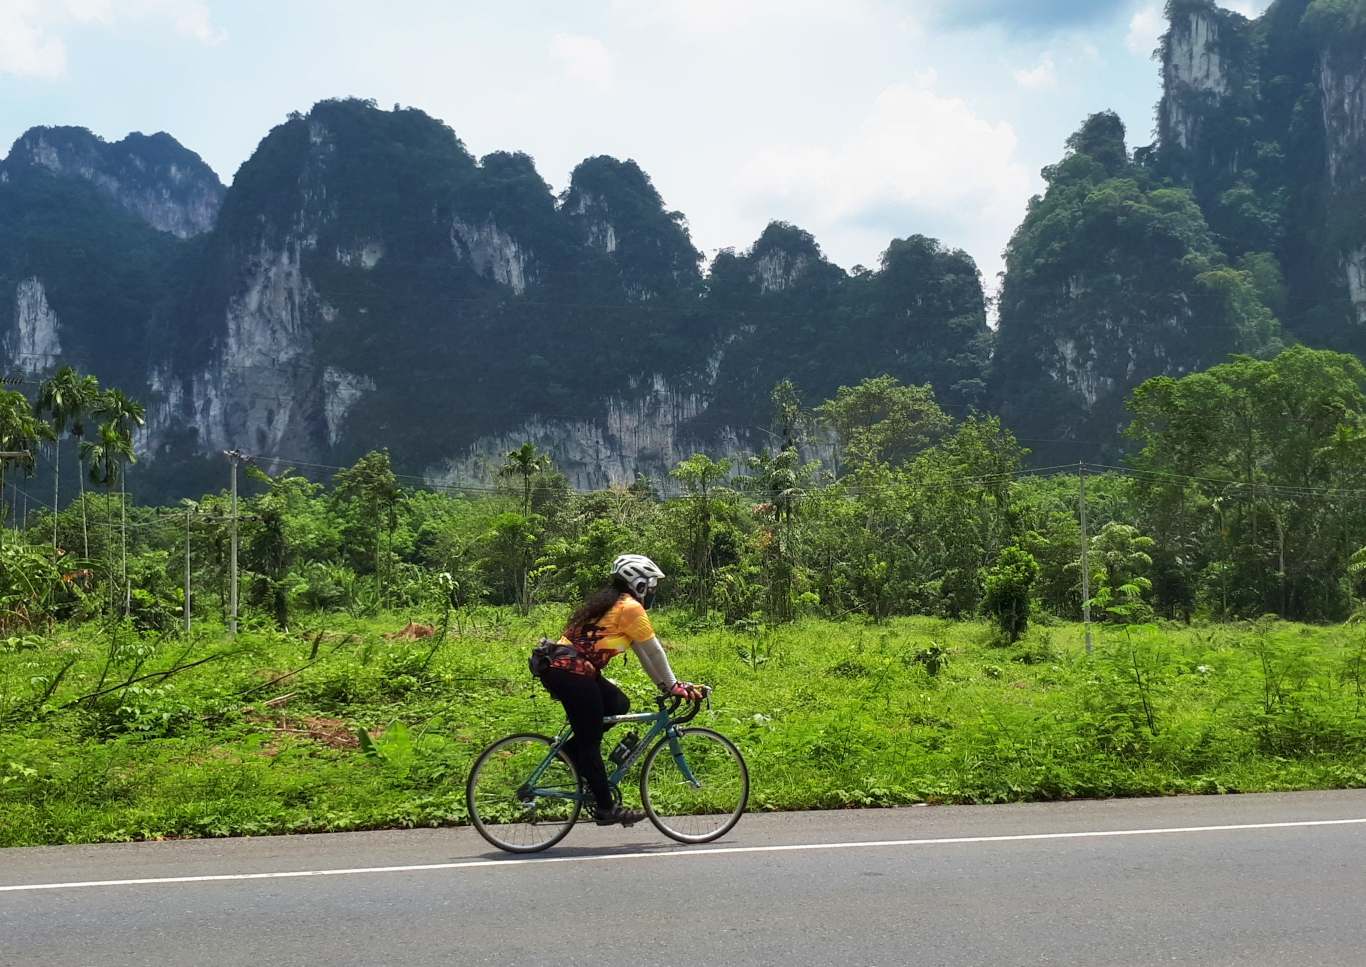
x,y
377,733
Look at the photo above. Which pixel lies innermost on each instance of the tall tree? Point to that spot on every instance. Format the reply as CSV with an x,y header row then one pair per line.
x,y
106,457
699,475
781,481
882,421
1259,458
83,395
270,551
124,415
57,400
370,492
20,432
525,463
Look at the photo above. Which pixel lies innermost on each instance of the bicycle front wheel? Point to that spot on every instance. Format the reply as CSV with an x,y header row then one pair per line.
x,y
512,812
698,792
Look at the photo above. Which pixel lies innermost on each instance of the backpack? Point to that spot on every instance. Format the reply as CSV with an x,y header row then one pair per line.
x,y
545,653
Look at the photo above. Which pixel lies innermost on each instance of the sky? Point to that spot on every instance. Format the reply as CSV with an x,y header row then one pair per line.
x,y
859,120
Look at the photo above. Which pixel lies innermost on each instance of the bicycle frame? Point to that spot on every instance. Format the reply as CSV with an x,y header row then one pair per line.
x,y
662,724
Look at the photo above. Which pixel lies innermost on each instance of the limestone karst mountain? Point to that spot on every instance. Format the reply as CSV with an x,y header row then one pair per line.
x,y
365,281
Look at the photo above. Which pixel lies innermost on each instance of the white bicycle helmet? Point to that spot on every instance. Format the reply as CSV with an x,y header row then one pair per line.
x,y
639,572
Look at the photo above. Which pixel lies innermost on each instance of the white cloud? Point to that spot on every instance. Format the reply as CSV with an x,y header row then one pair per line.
x,y
725,16
31,31
919,162
1042,77
26,47
1248,8
1149,23
191,18
584,59
1146,29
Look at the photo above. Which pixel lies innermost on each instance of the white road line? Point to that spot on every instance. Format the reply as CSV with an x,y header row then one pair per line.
x,y
711,851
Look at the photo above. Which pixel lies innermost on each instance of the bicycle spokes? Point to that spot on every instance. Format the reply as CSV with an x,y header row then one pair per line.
x,y
520,797
695,787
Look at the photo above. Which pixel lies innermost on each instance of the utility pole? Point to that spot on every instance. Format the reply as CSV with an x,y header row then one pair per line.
x,y
1085,555
235,457
187,569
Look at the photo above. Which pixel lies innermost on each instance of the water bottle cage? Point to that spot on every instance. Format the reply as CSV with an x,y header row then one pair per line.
x,y
624,748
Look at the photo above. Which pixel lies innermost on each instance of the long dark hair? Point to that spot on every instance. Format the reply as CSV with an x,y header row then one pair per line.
x,y
597,605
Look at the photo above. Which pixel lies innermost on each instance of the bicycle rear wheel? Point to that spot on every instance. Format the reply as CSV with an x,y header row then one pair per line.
x,y
513,816
701,798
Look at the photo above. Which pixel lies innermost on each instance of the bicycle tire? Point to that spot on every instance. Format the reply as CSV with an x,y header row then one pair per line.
x,y
520,836
676,789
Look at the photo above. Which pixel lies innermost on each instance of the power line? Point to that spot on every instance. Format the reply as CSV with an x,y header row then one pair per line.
x,y
1290,489
842,488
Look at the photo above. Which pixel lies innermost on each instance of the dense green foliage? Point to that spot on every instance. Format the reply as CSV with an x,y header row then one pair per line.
x,y
1242,500
877,499
1113,275
262,737
832,604
1009,586
1269,509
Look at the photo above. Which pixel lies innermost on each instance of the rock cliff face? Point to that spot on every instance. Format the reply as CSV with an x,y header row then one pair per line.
x,y
1265,120
367,282
1342,83
262,388
492,253
1252,202
32,342
153,177
646,434
1193,70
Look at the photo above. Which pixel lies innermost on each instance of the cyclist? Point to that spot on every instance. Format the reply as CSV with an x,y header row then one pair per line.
x,y
603,627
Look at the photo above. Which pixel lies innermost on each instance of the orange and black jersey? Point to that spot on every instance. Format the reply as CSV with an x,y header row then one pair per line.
x,y
625,623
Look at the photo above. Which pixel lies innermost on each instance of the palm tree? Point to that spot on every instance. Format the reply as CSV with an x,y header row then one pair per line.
x,y
525,462
106,459
20,432
124,415
84,394
56,399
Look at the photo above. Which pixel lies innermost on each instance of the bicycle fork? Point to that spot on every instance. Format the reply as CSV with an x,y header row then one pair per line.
x,y
676,750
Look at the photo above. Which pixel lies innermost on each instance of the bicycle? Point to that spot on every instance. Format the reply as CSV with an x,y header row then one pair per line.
x,y
524,794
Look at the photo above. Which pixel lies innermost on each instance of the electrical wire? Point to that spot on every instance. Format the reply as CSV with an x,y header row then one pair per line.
x,y
1290,489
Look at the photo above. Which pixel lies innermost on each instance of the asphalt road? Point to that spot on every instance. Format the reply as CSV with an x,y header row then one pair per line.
x,y
1097,883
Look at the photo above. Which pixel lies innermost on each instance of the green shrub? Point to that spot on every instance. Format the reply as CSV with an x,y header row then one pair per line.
x,y
1009,592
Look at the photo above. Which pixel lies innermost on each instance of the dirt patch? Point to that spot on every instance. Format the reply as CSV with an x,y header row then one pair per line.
x,y
333,733
330,732
412,632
